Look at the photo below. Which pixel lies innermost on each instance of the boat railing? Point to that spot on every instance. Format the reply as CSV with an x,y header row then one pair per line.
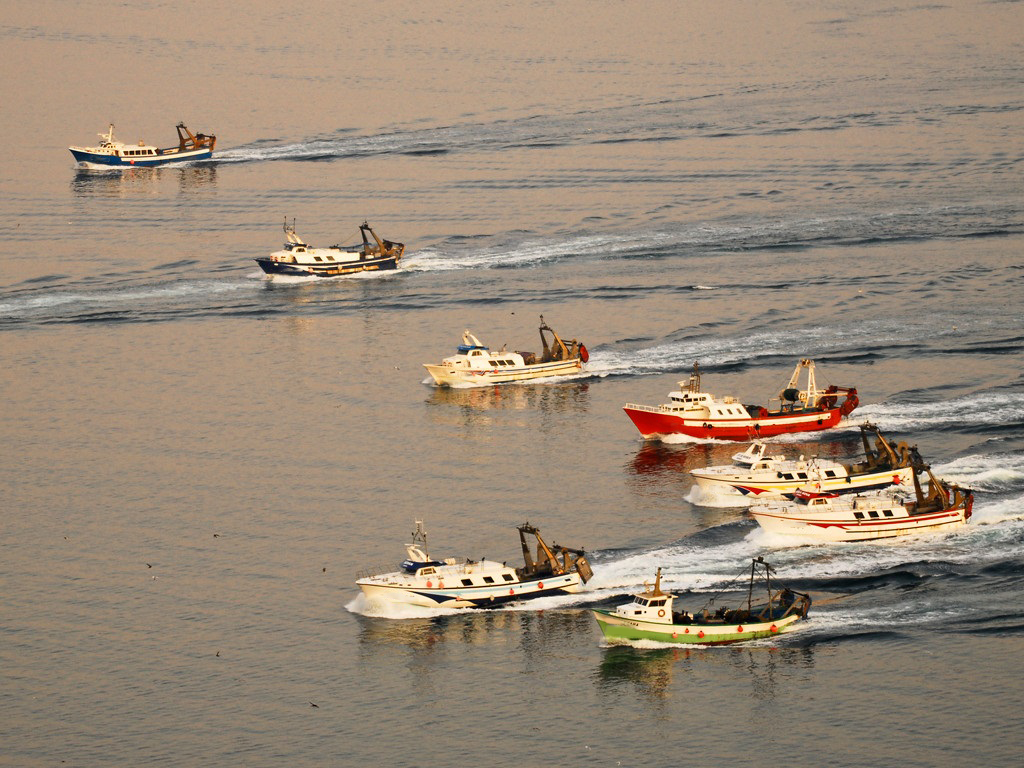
x,y
647,408
370,572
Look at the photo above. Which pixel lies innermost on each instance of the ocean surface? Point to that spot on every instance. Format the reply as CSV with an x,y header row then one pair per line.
x,y
197,460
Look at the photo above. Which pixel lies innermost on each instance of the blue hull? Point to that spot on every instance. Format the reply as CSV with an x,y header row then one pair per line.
x,y
272,267
113,161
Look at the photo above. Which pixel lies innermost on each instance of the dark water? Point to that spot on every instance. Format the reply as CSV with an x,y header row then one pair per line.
x,y
197,461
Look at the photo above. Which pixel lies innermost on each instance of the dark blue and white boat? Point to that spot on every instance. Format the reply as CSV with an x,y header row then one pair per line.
x,y
112,153
299,259
464,583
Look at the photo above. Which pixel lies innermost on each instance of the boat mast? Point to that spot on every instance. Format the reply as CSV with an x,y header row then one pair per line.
x,y
694,384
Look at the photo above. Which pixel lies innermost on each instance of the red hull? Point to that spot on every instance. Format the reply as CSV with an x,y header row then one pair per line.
x,y
653,424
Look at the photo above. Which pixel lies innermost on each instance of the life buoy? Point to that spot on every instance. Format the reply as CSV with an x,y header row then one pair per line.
x,y
700,634
774,628
429,585
511,591
739,628
675,635
440,585
661,613
686,631
584,354
540,585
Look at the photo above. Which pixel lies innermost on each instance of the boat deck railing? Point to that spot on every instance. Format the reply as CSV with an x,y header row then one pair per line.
x,y
647,408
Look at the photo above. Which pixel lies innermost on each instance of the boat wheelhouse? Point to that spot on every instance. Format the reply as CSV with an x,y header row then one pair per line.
x,y
299,259
474,364
756,474
652,616
695,414
464,583
112,153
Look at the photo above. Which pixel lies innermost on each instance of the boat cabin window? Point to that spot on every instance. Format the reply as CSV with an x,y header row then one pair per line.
x,y
801,475
641,601
788,475
317,258
819,501
873,513
329,257
488,579
859,515
467,582
657,602
887,513
830,473
427,571
508,576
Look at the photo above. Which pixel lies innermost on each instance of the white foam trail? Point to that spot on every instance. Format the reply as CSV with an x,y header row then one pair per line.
x,y
990,473
994,408
116,297
702,497
387,610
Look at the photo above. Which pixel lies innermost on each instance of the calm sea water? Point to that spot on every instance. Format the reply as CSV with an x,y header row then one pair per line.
x,y
197,461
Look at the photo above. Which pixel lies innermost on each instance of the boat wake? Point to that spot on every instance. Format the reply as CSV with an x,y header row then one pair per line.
x,y
391,610
999,408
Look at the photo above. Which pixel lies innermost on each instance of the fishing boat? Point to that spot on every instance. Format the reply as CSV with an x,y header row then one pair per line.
x,y
881,515
464,583
756,474
112,153
651,615
299,259
475,364
696,414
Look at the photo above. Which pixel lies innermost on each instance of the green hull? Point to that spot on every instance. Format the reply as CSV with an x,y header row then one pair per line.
x,y
618,629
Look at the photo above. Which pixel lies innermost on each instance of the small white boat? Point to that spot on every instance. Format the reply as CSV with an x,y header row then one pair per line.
x,y
650,616
464,583
755,474
693,413
881,515
299,259
112,153
475,364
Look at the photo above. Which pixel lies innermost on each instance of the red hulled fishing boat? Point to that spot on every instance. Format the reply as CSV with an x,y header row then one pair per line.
x,y
696,414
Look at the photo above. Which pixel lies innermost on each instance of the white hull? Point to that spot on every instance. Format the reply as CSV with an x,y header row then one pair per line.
x,y
843,526
745,488
380,589
452,377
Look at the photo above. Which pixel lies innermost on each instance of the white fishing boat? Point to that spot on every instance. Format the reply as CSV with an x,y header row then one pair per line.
x,y
880,515
299,259
474,364
651,615
693,413
112,153
464,583
756,474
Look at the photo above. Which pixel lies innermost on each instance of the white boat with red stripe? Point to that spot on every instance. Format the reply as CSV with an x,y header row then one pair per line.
x,y
887,514
756,474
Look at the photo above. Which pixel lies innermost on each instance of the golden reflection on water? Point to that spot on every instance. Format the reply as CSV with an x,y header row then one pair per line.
x,y
136,182
654,670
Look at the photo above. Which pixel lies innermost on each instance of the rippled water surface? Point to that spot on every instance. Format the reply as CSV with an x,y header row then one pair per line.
x,y
199,460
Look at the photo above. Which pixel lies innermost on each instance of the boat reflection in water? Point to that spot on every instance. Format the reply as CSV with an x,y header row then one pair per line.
x,y
142,181
560,397
427,633
653,670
